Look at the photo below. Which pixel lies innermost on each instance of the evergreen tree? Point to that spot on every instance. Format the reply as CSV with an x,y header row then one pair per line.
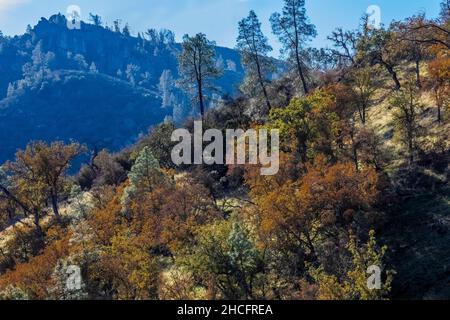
x,y
197,66
166,85
293,29
132,73
39,68
10,90
93,68
244,259
254,48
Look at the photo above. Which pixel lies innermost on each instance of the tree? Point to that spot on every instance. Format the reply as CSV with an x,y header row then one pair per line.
x,y
197,66
434,33
145,173
226,261
166,86
103,169
96,19
411,42
160,143
24,194
364,88
293,29
93,68
310,122
407,107
354,285
244,258
10,90
439,80
46,165
254,48
126,269
37,177
320,207
117,23
132,73
80,62
38,69
126,30
144,177
380,47
344,43
445,12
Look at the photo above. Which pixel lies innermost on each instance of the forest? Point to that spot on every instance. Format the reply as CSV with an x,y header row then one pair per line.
x,y
363,181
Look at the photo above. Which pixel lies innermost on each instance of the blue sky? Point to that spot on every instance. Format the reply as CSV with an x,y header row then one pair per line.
x,y
217,18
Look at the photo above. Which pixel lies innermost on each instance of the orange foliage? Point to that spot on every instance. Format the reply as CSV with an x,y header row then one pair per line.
x,y
326,198
35,276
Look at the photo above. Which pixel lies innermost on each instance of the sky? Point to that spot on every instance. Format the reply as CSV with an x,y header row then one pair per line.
x,y
218,19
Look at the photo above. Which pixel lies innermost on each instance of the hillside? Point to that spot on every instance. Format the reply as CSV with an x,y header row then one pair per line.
x,y
417,227
358,207
102,87
91,108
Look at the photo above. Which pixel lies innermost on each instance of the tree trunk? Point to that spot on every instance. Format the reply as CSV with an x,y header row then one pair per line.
x,y
261,81
200,97
54,199
418,80
37,224
301,74
393,74
438,103
439,113
354,149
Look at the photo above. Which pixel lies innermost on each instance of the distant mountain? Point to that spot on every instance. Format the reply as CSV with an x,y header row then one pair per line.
x,y
96,85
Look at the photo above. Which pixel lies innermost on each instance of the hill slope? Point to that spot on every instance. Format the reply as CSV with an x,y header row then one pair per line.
x,y
91,108
95,85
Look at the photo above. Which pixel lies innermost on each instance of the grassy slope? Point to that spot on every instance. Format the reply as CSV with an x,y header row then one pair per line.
x,y
418,232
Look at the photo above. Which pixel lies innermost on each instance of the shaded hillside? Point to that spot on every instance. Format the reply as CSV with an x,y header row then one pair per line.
x,y
91,108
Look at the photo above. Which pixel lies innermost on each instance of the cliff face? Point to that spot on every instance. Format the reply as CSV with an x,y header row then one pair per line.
x,y
95,85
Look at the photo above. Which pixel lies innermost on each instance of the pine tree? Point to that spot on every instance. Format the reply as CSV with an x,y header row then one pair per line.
x,y
93,68
293,29
166,85
197,66
144,176
244,260
132,73
254,48
10,90
146,172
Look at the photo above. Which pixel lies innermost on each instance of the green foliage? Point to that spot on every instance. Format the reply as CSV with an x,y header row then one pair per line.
x,y
306,120
144,177
197,66
141,228
227,260
254,48
13,293
355,284
146,172
160,144
407,108
293,30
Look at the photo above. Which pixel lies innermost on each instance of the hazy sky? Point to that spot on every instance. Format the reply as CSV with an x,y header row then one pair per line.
x,y
217,18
